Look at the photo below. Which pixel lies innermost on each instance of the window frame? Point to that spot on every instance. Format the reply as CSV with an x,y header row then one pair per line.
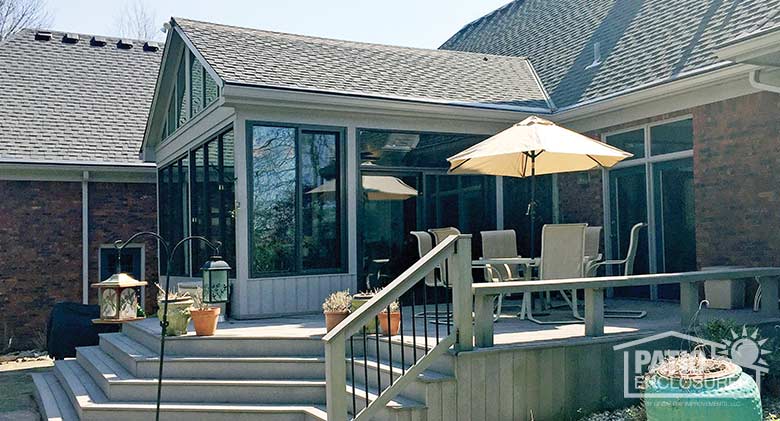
x,y
341,153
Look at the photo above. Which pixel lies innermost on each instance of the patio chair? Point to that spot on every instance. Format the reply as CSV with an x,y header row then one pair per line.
x,y
563,257
498,244
592,247
432,279
628,269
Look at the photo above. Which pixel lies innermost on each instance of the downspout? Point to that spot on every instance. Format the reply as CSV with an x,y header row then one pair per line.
x,y
754,82
85,238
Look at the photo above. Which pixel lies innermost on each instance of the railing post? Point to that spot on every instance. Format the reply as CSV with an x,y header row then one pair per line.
x,y
462,294
769,296
483,320
336,378
689,303
594,311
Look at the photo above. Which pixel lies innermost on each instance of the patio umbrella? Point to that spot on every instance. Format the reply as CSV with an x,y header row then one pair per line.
x,y
535,146
377,187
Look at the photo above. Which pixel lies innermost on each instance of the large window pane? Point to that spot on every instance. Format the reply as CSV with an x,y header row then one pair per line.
x,y
633,141
198,207
672,137
320,212
196,85
274,199
181,92
174,214
517,196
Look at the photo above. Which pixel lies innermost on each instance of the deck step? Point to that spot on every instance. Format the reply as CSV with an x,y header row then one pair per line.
x,y
120,385
91,404
142,362
53,402
225,346
417,389
399,408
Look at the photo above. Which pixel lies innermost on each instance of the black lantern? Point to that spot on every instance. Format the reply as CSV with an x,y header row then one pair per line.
x,y
215,280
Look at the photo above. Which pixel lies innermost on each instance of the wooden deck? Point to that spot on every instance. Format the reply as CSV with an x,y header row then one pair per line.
x,y
509,330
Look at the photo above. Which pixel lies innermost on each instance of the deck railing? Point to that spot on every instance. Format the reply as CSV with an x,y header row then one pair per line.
x,y
485,294
451,327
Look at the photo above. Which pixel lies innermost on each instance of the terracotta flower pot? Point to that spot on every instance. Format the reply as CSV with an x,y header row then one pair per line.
x,y
333,318
205,321
395,323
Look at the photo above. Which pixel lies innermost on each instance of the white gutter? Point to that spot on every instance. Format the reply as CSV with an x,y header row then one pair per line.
x,y
85,238
754,82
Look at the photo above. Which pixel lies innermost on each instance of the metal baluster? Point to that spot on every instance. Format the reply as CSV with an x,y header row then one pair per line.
x,y
365,362
425,314
352,364
389,346
436,305
448,291
401,329
378,373
414,329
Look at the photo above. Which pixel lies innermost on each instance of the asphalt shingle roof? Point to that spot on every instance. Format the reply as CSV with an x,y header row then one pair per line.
x,y
640,42
74,102
270,59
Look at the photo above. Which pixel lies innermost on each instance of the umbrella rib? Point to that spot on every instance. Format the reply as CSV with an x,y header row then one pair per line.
x,y
459,165
595,160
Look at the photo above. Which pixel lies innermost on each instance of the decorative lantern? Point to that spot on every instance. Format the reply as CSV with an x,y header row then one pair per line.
x,y
215,280
118,299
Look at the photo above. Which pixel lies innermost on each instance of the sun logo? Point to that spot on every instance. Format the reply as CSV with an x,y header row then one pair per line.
x,y
746,349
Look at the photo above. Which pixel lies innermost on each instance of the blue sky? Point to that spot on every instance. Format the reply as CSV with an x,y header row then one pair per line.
x,y
416,23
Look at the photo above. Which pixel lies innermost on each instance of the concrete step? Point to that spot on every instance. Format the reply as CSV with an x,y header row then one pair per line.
x,y
225,346
142,362
91,404
120,385
399,408
53,402
379,372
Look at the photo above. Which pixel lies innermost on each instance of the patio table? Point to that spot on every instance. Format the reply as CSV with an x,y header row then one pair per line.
x,y
528,264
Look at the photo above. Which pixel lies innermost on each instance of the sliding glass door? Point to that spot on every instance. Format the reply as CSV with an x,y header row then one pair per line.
x,y
655,187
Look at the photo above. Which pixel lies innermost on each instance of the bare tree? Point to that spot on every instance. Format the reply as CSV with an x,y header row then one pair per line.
x,y
137,20
18,14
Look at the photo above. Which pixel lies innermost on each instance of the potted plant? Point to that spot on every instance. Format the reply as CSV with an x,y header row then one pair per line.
x,y
178,311
336,308
390,324
204,316
360,299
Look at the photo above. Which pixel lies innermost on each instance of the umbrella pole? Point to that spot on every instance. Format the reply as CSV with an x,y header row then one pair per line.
x,y
532,205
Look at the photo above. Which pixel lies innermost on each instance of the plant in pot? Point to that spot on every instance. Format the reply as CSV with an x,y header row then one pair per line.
x,y
336,308
204,316
390,319
178,311
361,298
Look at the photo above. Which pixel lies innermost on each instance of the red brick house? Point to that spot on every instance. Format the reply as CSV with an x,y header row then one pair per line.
x,y
74,111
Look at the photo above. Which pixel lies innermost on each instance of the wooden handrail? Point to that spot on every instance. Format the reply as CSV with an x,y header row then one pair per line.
x,y
485,293
457,248
514,287
405,281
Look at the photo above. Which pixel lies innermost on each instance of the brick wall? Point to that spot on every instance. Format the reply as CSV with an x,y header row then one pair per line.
x,y
117,211
40,230
40,264
737,181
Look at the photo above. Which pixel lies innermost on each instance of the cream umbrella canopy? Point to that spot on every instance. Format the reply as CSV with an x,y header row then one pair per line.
x,y
535,146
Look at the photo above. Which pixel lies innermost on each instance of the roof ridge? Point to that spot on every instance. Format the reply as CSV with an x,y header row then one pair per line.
x,y
363,43
80,34
478,20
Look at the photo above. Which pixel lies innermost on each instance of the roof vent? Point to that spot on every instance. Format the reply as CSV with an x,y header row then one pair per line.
x,y
70,38
151,46
596,55
124,44
42,36
98,42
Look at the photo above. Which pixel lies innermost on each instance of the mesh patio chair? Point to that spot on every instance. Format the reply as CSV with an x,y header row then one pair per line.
x,y
628,269
432,279
501,244
563,257
592,247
